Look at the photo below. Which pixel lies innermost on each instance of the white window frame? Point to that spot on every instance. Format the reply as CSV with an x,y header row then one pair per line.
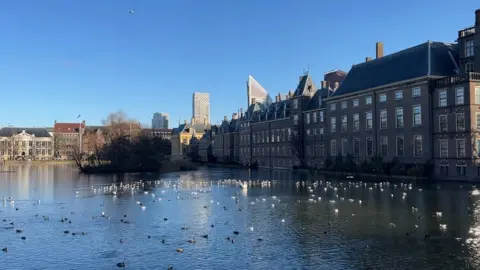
x,y
333,107
457,91
469,67
477,94
464,147
333,124
440,122
382,98
366,146
343,105
356,128
416,91
344,128
368,100
413,142
295,119
456,122
440,99
307,118
314,117
295,103
442,154
366,120
396,118
386,119
396,145
356,102
399,95
469,48
413,115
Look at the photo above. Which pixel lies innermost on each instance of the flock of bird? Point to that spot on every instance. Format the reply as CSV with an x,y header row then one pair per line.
x,y
318,192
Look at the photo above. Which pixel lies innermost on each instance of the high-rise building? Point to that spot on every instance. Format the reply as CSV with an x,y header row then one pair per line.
x,y
160,120
201,107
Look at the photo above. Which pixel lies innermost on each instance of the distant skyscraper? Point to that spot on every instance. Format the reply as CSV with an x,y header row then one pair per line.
x,y
201,107
160,120
256,93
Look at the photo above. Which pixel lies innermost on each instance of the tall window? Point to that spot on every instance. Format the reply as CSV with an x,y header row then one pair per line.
x,y
383,119
356,122
461,153
344,124
344,105
400,145
295,103
399,117
469,48
417,115
384,146
469,67
442,98
444,148
321,116
382,98
333,147
477,116
416,92
399,95
355,102
295,119
369,146
459,96
477,94
333,124
320,132
333,107
356,147
344,146
368,100
314,117
369,121
443,123
460,120
417,146
307,118
321,151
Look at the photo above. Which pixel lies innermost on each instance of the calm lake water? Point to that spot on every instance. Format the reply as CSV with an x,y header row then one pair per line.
x,y
386,230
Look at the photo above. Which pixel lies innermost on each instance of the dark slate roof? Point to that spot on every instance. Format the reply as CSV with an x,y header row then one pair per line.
x,y
306,86
10,131
427,59
314,102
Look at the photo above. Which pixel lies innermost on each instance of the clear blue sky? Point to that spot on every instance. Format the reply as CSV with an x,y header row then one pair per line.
x,y
61,58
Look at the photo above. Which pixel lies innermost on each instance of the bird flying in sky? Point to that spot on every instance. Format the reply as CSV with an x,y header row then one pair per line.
x,y
78,116
131,11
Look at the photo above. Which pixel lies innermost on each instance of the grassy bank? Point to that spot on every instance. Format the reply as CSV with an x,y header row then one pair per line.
x,y
164,167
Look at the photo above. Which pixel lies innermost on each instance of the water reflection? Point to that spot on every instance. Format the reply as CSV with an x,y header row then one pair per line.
x,y
379,226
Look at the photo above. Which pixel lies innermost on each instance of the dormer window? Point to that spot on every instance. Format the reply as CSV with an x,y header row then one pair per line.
x,y
295,103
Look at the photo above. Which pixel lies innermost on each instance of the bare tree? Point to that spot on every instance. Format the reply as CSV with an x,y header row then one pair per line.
x,y
296,146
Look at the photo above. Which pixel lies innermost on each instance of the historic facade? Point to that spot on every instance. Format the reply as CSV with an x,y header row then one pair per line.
x,y
26,144
182,135
68,139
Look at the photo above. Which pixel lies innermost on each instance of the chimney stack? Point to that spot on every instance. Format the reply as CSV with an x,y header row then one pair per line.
x,y
379,47
368,58
225,118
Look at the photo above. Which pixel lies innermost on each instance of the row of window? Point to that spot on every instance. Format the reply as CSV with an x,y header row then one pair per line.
x,y
460,146
24,143
315,151
281,163
399,121
279,151
459,96
276,135
382,98
400,142
314,117
38,152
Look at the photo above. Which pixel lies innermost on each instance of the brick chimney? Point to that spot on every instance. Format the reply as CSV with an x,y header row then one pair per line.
x,y
368,58
279,97
477,17
225,118
379,49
